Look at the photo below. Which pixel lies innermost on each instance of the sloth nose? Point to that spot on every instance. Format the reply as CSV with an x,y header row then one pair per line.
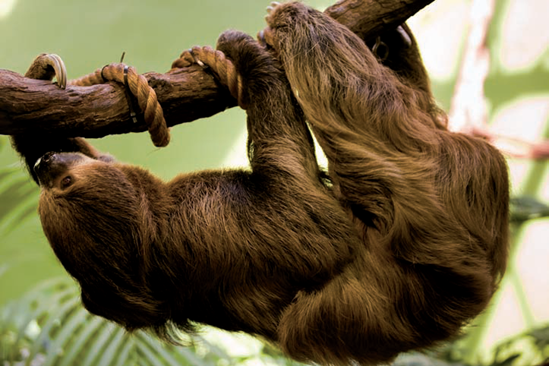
x,y
47,157
52,164
46,167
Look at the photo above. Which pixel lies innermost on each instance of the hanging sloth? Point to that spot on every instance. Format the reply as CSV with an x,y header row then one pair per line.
x,y
399,245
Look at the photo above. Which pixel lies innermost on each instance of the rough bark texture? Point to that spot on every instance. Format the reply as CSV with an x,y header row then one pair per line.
x,y
187,94
368,18
96,111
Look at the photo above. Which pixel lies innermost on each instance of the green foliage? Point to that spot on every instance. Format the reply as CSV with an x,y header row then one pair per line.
x,y
49,326
525,208
417,359
529,348
525,349
17,194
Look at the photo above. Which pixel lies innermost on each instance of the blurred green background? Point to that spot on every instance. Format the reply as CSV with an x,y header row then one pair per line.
x,y
88,35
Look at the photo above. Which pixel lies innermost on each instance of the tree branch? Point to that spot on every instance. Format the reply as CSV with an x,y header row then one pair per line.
x,y
29,105
369,18
186,94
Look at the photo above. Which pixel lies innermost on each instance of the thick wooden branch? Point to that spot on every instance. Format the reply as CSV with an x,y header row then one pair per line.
x,y
187,94
28,105
369,18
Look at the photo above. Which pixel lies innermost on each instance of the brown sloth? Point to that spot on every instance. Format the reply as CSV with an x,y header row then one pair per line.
x,y
395,249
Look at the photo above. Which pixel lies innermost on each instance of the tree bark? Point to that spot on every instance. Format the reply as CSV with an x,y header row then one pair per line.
x,y
187,94
369,18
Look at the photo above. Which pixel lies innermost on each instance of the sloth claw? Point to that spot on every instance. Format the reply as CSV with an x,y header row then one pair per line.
x,y
272,7
47,66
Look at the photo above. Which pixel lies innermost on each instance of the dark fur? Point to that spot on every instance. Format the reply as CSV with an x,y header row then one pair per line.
x,y
402,246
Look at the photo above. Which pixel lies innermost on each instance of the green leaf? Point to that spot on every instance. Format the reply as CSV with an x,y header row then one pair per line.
x,y
38,308
148,354
526,208
125,355
541,337
111,353
51,324
102,336
44,341
77,347
509,361
62,340
19,197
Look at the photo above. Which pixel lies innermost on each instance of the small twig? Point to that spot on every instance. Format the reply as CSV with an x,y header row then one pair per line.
x,y
468,108
515,147
469,111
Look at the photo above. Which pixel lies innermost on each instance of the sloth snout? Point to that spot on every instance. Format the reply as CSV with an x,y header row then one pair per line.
x,y
52,164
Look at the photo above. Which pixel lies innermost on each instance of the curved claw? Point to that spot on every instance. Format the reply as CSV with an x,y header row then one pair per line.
x,y
271,7
194,51
59,68
265,37
189,57
261,37
47,66
405,36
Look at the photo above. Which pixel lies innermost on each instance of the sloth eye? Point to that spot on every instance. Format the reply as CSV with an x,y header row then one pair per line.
x,y
65,182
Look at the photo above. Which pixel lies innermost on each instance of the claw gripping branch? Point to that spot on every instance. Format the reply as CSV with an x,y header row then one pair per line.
x,y
30,107
215,60
48,66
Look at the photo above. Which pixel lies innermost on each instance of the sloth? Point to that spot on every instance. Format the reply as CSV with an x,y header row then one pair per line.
x,y
395,248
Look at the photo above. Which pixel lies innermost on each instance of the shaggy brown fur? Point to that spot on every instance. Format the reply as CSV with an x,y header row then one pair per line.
x,y
430,206
397,250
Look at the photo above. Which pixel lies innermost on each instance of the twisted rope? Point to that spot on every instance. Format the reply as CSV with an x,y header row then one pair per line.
x,y
48,66
215,60
139,87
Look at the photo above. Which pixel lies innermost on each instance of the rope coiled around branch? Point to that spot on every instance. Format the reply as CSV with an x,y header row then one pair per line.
x,y
48,66
140,89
